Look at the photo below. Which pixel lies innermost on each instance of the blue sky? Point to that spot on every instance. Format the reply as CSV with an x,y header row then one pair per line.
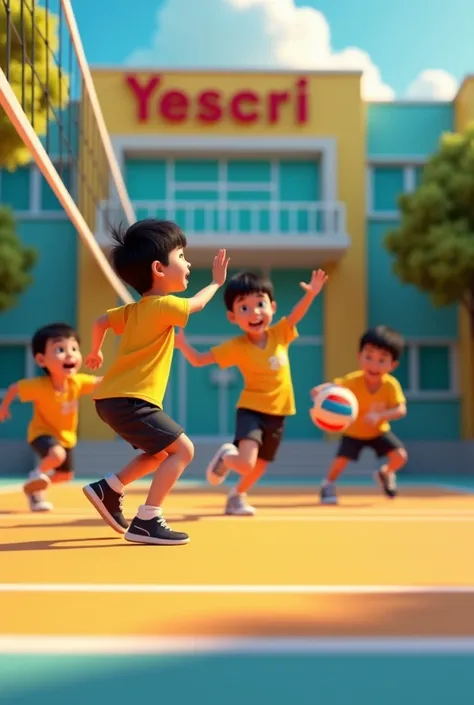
x,y
401,39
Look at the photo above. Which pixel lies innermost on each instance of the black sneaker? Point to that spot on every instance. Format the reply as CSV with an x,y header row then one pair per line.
x,y
154,531
108,503
388,482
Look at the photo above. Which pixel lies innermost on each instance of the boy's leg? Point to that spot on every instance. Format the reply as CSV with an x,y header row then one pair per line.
x,y
241,455
390,446
53,458
270,431
165,447
349,450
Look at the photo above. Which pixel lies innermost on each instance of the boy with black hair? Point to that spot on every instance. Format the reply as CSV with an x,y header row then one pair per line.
x,y
261,355
149,257
381,400
52,432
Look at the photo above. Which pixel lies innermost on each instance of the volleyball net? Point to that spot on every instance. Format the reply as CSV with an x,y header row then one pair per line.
x,y
51,115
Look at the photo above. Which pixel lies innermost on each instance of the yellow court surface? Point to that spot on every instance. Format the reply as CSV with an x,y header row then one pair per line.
x,y
370,567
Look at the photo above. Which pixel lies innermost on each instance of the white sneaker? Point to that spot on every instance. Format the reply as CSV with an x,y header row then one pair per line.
x,y
238,506
37,482
38,503
216,471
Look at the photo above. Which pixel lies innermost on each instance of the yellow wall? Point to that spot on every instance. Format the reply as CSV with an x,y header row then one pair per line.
x,y
335,110
464,113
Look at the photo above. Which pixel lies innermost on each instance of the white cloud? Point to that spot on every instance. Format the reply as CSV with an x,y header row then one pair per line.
x,y
433,84
267,34
256,34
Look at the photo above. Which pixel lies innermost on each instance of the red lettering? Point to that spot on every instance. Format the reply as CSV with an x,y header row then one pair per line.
x,y
142,94
301,101
174,106
274,102
209,106
236,106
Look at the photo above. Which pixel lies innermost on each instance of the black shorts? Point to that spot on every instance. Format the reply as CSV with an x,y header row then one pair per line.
x,y
266,429
42,445
381,445
145,426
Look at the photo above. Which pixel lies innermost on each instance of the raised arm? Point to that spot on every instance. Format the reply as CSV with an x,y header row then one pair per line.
x,y
318,280
219,274
12,392
193,356
95,358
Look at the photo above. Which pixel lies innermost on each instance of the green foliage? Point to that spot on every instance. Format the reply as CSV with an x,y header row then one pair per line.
x,y
433,247
16,261
13,152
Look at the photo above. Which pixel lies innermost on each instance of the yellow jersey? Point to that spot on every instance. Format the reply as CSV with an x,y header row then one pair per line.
x,y
55,413
268,387
143,363
388,396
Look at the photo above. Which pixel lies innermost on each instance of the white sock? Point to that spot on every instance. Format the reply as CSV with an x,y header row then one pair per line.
x,y
148,511
114,483
326,483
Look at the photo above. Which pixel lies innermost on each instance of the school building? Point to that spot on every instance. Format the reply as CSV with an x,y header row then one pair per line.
x,y
288,171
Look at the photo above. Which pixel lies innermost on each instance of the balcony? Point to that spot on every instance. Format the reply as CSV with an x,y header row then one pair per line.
x,y
273,234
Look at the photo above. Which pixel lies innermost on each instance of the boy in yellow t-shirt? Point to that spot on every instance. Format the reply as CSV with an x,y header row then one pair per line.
x,y
52,432
150,258
381,400
261,355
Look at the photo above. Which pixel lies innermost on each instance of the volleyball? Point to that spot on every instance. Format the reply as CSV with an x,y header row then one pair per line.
x,y
334,409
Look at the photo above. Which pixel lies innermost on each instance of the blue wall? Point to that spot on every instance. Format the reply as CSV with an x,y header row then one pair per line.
x,y
400,132
407,129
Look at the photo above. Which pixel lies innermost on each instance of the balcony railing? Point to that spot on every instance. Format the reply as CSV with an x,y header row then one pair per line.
x,y
249,218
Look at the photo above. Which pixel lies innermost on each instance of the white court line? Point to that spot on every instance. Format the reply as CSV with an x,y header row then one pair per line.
x,y
136,645
460,489
240,589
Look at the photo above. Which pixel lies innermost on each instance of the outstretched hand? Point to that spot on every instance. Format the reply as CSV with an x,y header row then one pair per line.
x,y
94,361
219,267
316,283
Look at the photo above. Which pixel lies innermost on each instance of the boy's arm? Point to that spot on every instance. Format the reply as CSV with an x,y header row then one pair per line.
x,y
193,356
95,358
12,392
219,274
318,280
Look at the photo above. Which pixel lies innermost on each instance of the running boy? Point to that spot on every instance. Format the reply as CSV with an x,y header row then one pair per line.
x,y
261,355
381,400
52,432
149,257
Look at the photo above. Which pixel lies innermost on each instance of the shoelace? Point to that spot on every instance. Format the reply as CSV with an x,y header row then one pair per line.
x,y
162,523
120,502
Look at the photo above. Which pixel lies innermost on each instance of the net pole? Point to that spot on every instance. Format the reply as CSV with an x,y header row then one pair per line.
x,y
96,109
13,109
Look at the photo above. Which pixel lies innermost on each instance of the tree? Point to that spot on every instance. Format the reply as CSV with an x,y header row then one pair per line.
x,y
433,246
16,261
45,86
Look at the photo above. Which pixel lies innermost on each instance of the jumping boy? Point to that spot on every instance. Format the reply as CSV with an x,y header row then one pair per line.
x,y
381,400
150,258
52,432
261,355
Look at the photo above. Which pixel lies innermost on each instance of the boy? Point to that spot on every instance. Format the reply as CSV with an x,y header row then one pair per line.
x,y
381,400
261,355
149,257
52,432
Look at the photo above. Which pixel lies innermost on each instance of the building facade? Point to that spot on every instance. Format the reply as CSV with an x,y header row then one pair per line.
x,y
288,171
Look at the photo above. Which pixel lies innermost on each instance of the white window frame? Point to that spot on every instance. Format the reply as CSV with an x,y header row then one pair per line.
x,y
408,164
19,341
34,211
413,391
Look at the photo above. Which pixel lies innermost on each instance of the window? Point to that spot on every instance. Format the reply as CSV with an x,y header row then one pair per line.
x,y
15,188
15,363
429,370
386,183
